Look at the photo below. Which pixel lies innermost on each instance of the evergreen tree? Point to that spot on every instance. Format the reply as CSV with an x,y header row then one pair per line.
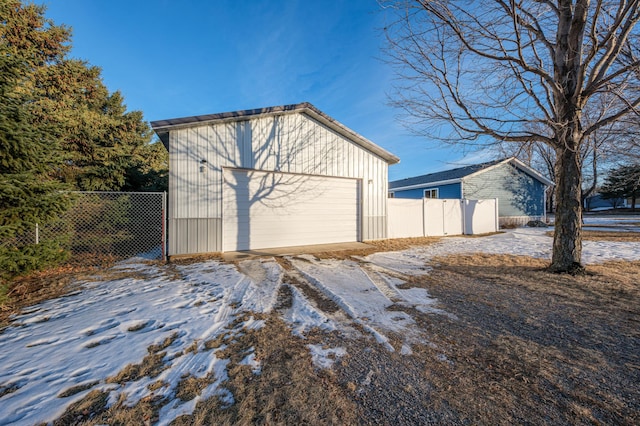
x,y
623,182
98,143
151,170
60,128
28,196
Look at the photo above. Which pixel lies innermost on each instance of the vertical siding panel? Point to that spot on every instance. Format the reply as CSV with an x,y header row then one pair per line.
x,y
191,176
271,145
372,196
376,199
334,154
306,132
340,159
230,145
256,134
320,152
246,143
312,138
183,174
174,161
270,131
351,160
297,130
200,176
210,174
216,152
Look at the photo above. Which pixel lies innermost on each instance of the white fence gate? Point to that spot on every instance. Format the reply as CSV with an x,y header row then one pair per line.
x,y
437,217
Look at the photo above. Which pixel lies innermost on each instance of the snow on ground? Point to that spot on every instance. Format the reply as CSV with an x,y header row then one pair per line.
x,y
92,334
521,241
629,223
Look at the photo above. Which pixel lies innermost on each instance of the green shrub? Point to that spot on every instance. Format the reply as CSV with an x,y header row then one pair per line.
x,y
21,260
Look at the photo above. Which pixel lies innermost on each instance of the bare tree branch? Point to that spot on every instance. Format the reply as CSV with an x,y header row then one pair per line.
x,y
556,73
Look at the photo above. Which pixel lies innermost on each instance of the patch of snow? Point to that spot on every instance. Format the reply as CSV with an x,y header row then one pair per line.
x,y
353,289
520,241
406,350
325,357
252,362
92,330
303,316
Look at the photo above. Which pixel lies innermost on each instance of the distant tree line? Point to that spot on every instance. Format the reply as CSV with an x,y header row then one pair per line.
x,y
61,129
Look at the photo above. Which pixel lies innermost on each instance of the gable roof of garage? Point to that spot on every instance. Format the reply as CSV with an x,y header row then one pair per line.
x,y
162,127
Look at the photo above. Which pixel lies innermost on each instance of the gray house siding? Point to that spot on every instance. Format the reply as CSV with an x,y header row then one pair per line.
x,y
290,142
518,193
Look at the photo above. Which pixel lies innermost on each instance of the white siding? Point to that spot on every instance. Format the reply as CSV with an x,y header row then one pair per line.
x,y
290,142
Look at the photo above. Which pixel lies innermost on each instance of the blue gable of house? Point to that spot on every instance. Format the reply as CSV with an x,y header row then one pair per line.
x,y
451,190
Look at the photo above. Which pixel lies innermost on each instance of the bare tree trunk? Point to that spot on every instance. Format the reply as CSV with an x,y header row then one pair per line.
x,y
594,167
567,240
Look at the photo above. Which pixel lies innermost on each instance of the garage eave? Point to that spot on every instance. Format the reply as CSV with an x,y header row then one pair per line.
x,y
162,127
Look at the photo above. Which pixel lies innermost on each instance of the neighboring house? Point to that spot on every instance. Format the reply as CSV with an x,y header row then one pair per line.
x,y
271,177
520,190
596,202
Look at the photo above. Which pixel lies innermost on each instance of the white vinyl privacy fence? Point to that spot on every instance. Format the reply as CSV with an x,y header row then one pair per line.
x,y
437,217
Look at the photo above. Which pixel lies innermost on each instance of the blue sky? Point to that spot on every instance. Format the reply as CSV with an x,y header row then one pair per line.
x,y
181,58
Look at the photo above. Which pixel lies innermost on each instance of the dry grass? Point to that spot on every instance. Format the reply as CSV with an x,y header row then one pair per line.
x,y
394,244
189,387
92,410
623,237
615,236
190,259
287,390
37,287
152,364
77,389
82,411
319,299
533,347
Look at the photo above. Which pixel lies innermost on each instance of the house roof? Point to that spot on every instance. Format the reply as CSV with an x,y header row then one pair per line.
x,y
162,127
458,174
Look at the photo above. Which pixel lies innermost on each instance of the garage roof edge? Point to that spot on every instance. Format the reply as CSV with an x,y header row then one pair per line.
x,y
162,127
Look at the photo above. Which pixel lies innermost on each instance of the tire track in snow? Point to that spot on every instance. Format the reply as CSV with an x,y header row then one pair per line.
x,y
356,294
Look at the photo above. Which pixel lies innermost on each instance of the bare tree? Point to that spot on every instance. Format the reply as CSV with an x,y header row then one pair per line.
x,y
493,71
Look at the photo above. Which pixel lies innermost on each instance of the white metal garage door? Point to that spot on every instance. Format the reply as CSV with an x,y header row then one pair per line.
x,y
267,209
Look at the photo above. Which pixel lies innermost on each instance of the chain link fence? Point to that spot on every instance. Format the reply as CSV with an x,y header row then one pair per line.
x,y
106,224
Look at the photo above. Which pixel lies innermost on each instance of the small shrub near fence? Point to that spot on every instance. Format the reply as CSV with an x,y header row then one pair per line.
x,y
103,224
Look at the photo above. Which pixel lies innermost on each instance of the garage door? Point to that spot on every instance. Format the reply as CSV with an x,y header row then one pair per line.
x,y
267,210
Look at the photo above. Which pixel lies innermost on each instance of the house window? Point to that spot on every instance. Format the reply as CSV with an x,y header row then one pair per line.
x,y
431,193
391,195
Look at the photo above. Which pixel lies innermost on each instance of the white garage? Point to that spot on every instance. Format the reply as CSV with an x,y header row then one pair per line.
x,y
267,209
271,177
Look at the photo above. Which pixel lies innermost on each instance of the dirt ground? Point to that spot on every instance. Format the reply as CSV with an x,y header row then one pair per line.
x,y
521,346
525,347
